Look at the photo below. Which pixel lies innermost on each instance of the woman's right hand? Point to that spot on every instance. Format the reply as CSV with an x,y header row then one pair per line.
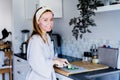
x,y
60,62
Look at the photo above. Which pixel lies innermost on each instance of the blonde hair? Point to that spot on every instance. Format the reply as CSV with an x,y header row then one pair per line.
x,y
36,28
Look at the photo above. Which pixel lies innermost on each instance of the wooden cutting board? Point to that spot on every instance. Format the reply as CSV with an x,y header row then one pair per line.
x,y
87,65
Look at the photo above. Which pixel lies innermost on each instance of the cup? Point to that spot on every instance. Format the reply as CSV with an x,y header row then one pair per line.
x,y
84,59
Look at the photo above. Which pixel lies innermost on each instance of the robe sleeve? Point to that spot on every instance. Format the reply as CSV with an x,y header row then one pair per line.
x,y
37,61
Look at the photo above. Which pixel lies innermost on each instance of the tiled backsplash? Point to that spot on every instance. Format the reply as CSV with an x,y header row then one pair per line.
x,y
75,48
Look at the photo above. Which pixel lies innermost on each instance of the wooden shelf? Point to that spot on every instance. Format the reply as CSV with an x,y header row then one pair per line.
x,y
108,8
8,67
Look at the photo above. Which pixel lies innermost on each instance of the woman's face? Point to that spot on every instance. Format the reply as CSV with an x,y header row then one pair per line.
x,y
46,21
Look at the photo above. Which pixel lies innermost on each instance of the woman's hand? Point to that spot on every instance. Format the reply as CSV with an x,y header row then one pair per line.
x,y
60,62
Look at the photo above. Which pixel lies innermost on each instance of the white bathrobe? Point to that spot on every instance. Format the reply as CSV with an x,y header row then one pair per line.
x,y
39,57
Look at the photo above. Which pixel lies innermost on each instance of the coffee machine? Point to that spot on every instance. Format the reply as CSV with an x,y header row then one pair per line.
x,y
56,38
25,35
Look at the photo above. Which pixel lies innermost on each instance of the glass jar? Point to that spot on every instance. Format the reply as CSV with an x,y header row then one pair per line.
x,y
95,59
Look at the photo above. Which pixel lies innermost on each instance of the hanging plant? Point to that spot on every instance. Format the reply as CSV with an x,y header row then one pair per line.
x,y
84,21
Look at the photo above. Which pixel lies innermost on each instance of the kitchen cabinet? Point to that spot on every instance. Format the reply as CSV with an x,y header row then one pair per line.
x,y
61,77
20,68
32,5
108,8
55,5
30,8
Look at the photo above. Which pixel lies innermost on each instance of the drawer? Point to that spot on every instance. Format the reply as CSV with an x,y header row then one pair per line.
x,y
18,61
61,77
21,72
18,73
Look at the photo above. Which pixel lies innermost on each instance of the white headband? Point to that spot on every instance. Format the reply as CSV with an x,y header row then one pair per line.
x,y
40,11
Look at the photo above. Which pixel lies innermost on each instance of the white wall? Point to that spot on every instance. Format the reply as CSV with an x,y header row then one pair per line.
x,y
61,26
5,15
106,31
20,23
108,25
5,19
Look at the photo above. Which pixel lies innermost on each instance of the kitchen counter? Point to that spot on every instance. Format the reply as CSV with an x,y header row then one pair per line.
x,y
85,75
94,74
80,68
69,58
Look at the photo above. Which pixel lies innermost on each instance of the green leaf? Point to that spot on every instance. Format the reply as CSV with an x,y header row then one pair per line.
x,y
84,20
81,35
89,31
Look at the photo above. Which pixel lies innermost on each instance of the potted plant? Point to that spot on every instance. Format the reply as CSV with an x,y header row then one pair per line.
x,y
84,21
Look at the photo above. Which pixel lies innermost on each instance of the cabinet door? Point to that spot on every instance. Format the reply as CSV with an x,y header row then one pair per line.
x,y
20,68
55,5
20,72
19,61
61,77
30,8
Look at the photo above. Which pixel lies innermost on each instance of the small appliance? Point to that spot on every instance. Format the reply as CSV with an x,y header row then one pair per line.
x,y
25,35
56,38
109,57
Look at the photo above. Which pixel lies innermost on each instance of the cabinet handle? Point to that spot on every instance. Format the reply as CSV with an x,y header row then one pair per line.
x,y
18,60
18,72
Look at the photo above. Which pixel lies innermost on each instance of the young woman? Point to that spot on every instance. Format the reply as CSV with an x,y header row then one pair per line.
x,y
40,53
